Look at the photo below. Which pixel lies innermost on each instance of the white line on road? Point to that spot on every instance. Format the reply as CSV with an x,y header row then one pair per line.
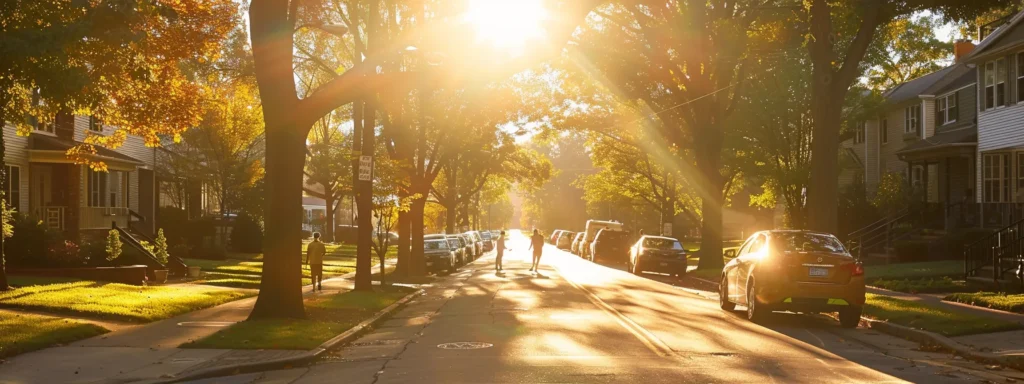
x,y
649,340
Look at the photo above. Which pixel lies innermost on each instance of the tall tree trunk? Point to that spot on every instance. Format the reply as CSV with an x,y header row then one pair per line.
x,y
453,197
328,234
823,190
417,263
709,151
404,242
281,286
4,285
364,250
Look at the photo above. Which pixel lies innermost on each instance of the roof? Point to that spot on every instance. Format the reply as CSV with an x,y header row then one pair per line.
x,y
964,136
41,142
995,40
966,78
311,200
912,89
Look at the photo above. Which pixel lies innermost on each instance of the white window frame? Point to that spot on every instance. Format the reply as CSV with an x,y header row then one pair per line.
x,y
883,131
995,82
13,187
996,174
859,134
1020,77
95,125
943,104
912,119
98,189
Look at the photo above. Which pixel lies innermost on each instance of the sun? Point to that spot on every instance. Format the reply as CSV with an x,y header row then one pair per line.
x,y
507,24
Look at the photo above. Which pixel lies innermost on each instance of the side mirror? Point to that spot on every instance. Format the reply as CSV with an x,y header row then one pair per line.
x,y
730,253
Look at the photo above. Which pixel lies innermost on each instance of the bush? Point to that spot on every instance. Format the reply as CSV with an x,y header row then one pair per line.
x,y
175,222
34,246
246,235
113,245
160,247
94,253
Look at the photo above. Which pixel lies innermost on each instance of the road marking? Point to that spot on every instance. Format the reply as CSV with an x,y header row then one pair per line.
x,y
647,338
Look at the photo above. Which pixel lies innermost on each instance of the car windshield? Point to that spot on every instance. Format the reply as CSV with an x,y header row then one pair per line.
x,y
807,242
435,245
485,235
453,243
662,244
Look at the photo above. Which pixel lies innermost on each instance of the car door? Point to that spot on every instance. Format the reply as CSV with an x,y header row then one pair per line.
x,y
746,262
732,272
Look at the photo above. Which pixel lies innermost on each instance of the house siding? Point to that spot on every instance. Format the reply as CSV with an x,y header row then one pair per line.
x,y
890,162
16,154
1001,128
871,158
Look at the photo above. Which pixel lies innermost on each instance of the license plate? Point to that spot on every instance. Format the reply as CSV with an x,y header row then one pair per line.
x,y
664,264
429,264
818,272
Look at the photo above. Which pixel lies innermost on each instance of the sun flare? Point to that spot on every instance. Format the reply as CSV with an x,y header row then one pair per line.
x,y
507,24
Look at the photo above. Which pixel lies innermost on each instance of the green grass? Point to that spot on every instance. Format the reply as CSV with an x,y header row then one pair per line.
x,y
327,316
20,333
245,273
1000,301
914,270
938,320
923,285
112,300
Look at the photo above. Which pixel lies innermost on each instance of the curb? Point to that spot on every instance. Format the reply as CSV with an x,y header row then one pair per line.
x,y
935,339
308,356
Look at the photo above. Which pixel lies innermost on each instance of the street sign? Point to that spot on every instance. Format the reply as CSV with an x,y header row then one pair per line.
x,y
365,168
666,229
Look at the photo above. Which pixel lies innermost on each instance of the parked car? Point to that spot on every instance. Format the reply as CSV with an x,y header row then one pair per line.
x,y
488,242
657,254
459,245
788,270
468,244
593,226
565,239
478,243
554,236
438,253
576,241
610,247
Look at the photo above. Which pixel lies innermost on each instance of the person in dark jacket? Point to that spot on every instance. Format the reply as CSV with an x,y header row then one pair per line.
x,y
537,245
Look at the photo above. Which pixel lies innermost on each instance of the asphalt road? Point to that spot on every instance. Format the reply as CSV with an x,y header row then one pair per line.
x,y
578,322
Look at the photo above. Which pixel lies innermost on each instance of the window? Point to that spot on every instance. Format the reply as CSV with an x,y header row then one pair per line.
x,y
995,84
859,134
916,177
945,109
95,125
1020,77
12,189
912,119
1020,178
884,131
996,178
108,189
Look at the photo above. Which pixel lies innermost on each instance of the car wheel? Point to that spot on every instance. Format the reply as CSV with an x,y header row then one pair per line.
x,y
850,317
723,296
755,312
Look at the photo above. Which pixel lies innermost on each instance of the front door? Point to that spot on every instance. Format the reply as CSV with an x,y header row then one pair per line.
x,y
40,188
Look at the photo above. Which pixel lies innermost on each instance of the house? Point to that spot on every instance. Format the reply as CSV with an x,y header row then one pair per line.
x,y
44,182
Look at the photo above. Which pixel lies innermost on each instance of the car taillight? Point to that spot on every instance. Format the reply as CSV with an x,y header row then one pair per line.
x,y
856,269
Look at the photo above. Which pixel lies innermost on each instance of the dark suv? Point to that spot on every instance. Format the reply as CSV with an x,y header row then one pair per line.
x,y
610,247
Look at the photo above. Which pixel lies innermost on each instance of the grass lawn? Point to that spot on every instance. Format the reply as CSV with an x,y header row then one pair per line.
x,y
112,300
938,320
1001,301
245,273
327,316
912,270
20,333
923,285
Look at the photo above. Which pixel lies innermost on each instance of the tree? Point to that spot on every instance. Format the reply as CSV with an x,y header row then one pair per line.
x,y
906,49
288,118
329,166
839,35
120,62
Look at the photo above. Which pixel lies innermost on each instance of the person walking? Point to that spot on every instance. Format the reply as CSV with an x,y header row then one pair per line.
x,y
537,245
501,250
315,260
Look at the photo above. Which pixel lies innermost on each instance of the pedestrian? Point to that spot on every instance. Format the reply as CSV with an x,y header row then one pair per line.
x,y
315,260
537,245
501,250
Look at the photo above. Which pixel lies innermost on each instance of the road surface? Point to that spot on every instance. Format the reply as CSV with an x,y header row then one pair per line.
x,y
578,322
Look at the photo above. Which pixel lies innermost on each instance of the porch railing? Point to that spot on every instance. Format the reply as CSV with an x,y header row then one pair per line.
x,y
1002,251
52,216
102,217
882,234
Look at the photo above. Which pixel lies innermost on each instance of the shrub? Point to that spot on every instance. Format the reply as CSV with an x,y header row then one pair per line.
x,y
31,244
65,254
247,235
175,222
94,253
160,247
113,245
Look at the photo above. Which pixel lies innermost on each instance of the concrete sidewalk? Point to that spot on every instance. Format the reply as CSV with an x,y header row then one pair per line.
x,y
148,352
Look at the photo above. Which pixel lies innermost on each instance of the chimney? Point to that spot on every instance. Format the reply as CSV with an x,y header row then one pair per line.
x,y
962,48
